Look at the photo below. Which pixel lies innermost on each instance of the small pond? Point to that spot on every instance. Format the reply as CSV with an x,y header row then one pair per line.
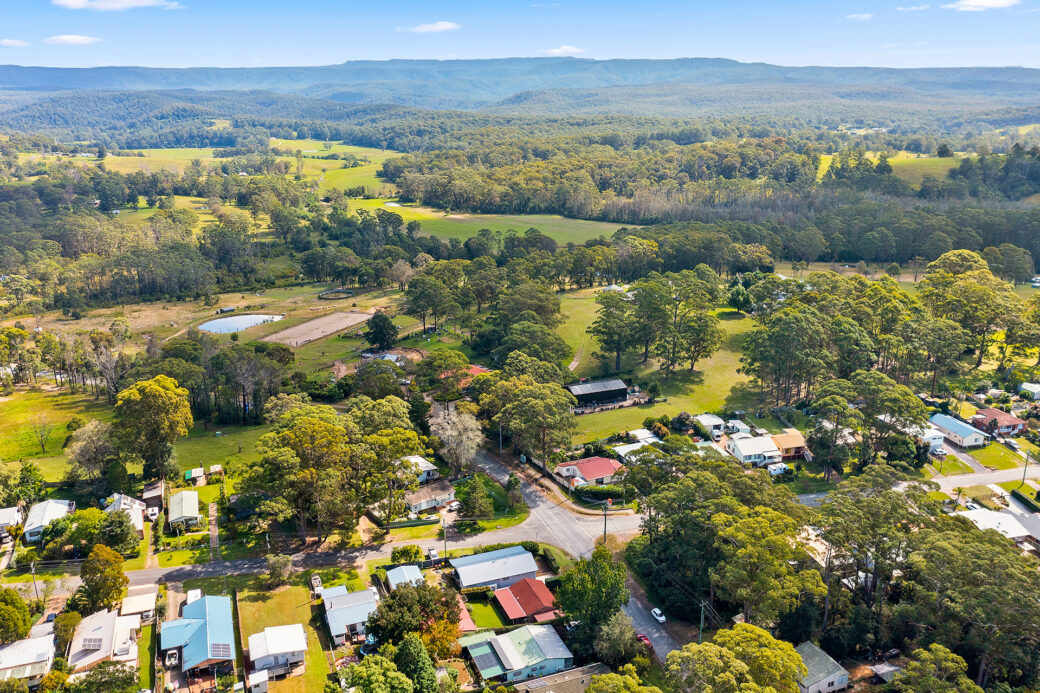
x,y
236,323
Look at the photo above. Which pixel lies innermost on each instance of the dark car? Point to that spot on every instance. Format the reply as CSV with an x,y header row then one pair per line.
x,y
50,617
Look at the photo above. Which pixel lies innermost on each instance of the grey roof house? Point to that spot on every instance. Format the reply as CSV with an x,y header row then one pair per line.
x,y
346,612
495,569
824,673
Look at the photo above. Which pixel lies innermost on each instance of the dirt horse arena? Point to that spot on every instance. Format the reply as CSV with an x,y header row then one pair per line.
x,y
317,328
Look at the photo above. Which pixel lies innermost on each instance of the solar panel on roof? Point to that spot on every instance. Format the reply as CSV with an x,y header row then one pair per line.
x,y
221,649
92,643
485,661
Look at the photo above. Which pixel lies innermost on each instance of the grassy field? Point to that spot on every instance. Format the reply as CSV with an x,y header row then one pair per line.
x,y
55,407
504,516
997,456
951,466
579,310
204,448
714,385
462,226
906,165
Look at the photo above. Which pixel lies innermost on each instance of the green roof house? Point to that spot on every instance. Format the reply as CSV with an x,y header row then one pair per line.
x,y
519,654
824,673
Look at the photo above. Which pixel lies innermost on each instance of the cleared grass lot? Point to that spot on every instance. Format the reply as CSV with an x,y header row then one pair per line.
x,y
997,456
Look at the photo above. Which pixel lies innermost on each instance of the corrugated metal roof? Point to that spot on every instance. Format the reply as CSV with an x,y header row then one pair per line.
x,y
204,623
402,574
494,566
184,504
942,421
597,387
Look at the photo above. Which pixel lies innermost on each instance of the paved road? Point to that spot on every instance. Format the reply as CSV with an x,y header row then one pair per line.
x,y
949,483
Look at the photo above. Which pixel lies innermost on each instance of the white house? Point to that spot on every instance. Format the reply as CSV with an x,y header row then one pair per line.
x,y
824,673
715,425
9,517
278,649
760,451
777,468
346,612
131,506
29,659
426,471
257,681
184,509
104,636
959,433
44,513
643,438
737,426
1005,523
1030,390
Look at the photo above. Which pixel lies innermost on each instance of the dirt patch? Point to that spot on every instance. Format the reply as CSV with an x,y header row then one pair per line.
x,y
317,328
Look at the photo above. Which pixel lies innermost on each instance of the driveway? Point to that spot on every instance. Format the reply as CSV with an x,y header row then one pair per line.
x,y
638,609
964,457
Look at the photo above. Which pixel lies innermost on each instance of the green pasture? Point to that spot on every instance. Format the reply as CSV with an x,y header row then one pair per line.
x,y
25,409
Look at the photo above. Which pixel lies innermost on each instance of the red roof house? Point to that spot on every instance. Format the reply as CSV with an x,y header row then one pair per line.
x,y
527,600
997,421
590,470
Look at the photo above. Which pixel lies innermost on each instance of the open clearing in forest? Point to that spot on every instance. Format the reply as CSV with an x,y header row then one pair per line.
x,y
318,328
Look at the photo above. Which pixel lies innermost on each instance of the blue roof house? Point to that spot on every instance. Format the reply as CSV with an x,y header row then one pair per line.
x,y
347,612
959,433
204,632
495,569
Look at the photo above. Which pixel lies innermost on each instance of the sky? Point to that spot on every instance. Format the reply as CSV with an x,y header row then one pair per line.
x,y
244,33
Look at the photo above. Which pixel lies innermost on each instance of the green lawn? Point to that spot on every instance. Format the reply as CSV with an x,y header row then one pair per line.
x,y
714,385
146,657
504,515
138,562
997,456
486,614
1010,486
913,171
579,310
951,466
204,448
55,408
415,533
331,577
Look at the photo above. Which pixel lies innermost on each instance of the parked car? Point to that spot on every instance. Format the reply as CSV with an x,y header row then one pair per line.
x,y
172,659
432,554
454,506
645,640
50,617
658,616
1013,444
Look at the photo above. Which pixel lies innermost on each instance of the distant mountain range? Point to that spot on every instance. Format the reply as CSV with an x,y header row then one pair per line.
x,y
551,84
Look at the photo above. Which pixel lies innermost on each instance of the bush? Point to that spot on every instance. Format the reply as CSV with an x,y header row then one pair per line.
x,y
485,590
602,493
410,553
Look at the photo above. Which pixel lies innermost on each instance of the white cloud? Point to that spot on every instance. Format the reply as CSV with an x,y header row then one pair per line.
x,y
862,17
913,8
434,28
564,50
980,5
12,43
116,5
71,40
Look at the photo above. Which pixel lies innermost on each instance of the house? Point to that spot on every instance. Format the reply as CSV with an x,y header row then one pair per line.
x,y
403,574
599,391
520,654
204,633
643,438
1029,391
760,451
613,289
736,426
569,681
998,422
184,509
395,359
590,470
472,371
714,425
433,495
347,612
104,636
824,673
44,513
959,433
140,601
120,502
527,600
495,569
9,517
426,471
29,659
1003,522
932,437
791,444
154,497
278,649
777,468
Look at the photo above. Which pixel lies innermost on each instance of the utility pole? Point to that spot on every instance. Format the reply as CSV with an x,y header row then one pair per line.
x,y
700,633
32,571
609,502
444,526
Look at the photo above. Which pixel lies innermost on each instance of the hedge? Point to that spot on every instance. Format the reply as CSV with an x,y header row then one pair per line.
x,y
482,589
1026,501
612,491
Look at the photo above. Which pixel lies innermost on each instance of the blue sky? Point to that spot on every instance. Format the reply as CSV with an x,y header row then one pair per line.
x,y
183,33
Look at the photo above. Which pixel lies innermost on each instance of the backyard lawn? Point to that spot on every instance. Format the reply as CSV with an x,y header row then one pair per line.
x,y
51,408
204,448
997,456
146,657
486,614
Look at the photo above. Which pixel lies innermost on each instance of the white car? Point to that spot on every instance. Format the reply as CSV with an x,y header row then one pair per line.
x,y
658,616
454,506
